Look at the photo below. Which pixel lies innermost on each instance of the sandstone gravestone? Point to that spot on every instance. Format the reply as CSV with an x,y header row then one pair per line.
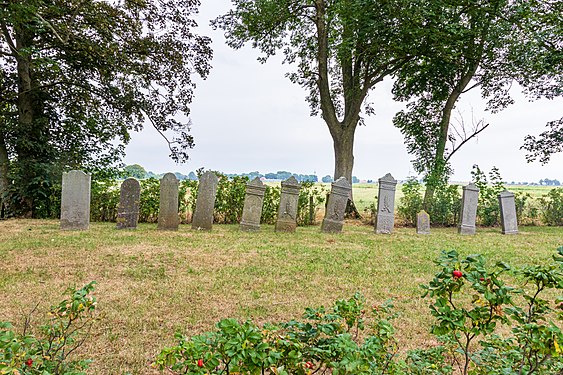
x,y
385,219
252,210
168,211
508,217
128,210
287,212
336,206
75,201
422,223
468,214
205,203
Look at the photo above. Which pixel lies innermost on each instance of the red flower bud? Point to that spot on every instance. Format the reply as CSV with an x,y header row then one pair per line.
x,y
200,362
29,362
481,279
457,274
309,365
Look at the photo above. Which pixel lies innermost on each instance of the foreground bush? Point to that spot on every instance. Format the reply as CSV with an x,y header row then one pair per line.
x,y
470,300
50,350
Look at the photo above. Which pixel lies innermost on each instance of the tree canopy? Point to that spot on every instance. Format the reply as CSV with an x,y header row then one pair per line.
x,y
79,75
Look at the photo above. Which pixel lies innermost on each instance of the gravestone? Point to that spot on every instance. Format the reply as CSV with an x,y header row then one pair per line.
x,y
287,212
336,206
128,210
252,210
75,201
468,214
205,203
385,219
422,223
508,217
168,211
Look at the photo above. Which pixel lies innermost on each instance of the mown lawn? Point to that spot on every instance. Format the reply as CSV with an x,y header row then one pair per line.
x,y
151,283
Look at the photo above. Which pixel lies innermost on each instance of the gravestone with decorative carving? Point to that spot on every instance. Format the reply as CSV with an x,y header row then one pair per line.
x,y
252,210
336,206
75,201
468,214
508,218
422,223
287,212
385,219
128,209
168,211
205,203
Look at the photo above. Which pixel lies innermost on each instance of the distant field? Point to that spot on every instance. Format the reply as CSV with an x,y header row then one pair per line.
x,y
153,283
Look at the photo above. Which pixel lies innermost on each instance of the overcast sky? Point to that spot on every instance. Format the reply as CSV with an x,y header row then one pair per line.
x,y
248,117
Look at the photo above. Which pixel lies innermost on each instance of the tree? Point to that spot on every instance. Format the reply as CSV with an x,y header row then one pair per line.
x,y
470,42
79,75
136,171
341,50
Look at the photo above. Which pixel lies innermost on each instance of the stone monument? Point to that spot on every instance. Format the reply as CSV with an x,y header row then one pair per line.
x,y
468,214
75,201
422,223
508,217
128,210
205,203
287,212
336,206
168,211
385,219
252,210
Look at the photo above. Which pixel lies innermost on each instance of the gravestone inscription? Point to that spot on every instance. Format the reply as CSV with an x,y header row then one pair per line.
x,y
287,212
252,210
508,217
468,214
128,209
422,223
385,219
336,206
168,210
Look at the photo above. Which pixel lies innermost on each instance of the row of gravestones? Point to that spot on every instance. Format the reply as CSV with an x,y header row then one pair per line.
x,y
75,205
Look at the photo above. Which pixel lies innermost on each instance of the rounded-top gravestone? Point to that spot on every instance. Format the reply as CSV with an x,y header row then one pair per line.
x,y
168,210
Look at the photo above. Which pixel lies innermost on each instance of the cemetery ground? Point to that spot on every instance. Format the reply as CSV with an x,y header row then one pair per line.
x,y
153,283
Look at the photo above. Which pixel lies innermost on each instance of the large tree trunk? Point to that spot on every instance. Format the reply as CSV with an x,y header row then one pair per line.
x,y
344,153
4,180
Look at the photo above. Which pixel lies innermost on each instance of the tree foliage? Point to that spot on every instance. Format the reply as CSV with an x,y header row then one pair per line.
x,y
78,76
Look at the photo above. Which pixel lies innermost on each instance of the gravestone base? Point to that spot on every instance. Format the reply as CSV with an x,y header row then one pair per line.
x,y
466,229
513,231
286,226
331,226
249,227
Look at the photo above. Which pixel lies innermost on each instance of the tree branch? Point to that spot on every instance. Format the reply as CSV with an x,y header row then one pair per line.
x,y
8,38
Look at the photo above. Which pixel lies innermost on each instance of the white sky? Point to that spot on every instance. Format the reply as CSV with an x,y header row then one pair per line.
x,y
248,117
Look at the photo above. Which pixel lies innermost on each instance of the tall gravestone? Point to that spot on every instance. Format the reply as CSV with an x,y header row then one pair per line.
x,y
128,210
168,211
205,203
336,206
385,219
75,201
468,214
252,210
508,217
287,212
422,223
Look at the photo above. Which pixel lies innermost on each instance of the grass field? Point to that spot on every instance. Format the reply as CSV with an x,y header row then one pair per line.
x,y
151,283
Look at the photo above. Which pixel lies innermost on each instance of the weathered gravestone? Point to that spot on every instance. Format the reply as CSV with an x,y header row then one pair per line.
x,y
336,206
508,217
128,209
468,214
75,201
422,223
385,219
287,212
252,210
205,203
168,211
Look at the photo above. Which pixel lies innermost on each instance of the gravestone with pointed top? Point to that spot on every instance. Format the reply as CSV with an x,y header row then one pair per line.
x,y
252,210
336,206
385,219
75,201
168,211
205,203
128,209
508,217
287,212
468,215
422,223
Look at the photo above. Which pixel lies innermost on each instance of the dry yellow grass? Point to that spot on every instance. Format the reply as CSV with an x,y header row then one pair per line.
x,y
151,283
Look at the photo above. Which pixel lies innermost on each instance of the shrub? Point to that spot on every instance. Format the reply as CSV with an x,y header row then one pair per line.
x,y
310,198
552,203
270,205
488,209
149,200
230,199
104,200
52,350
410,203
446,205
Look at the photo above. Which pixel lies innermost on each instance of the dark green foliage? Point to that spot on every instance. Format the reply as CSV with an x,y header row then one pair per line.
x,y
270,205
488,209
410,203
311,197
230,199
552,203
104,200
150,200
